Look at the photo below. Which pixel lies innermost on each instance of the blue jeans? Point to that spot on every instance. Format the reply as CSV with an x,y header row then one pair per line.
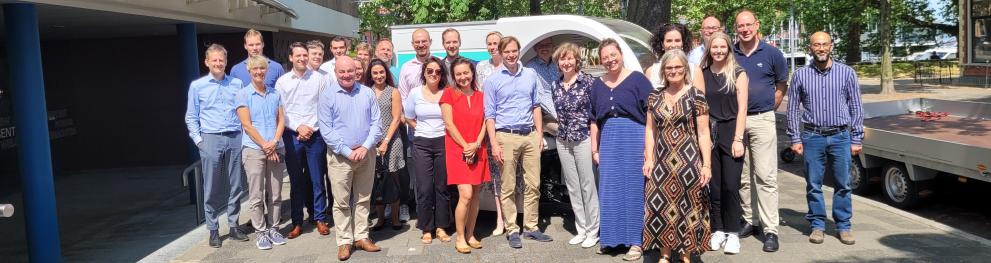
x,y
306,166
820,151
223,179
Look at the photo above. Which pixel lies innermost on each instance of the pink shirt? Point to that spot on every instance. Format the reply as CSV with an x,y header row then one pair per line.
x,y
409,77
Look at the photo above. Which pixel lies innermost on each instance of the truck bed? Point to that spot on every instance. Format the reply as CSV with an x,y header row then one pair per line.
x,y
967,131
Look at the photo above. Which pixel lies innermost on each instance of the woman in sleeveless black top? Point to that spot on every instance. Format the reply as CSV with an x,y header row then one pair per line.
x,y
725,101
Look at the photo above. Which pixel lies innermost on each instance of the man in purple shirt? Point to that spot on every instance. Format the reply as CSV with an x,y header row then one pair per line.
x,y
409,74
349,123
824,104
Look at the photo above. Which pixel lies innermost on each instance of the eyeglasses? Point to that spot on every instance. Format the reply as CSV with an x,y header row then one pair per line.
x,y
674,69
821,45
432,71
746,26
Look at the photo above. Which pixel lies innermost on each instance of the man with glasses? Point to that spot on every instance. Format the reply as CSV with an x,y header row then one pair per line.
x,y
409,73
710,25
768,74
825,123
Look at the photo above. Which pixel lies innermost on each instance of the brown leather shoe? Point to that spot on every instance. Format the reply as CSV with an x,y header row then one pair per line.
x,y
323,228
296,231
846,237
367,245
817,236
343,252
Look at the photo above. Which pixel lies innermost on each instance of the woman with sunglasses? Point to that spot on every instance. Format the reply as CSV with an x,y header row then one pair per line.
x,y
423,115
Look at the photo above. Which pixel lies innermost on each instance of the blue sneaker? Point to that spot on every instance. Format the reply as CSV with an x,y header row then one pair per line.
x,y
514,240
263,242
275,236
538,236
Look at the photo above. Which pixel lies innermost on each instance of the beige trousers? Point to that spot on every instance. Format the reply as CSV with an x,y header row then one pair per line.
x,y
520,150
346,179
264,187
760,172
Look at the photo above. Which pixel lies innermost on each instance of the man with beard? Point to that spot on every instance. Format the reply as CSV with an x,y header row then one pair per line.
x,y
409,73
825,123
710,24
768,81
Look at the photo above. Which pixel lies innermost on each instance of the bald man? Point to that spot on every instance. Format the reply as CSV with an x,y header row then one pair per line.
x,y
768,81
710,24
349,123
825,124
409,73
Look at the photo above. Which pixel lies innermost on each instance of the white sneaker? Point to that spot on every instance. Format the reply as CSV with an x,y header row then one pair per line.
x,y
732,244
590,242
717,240
403,213
577,240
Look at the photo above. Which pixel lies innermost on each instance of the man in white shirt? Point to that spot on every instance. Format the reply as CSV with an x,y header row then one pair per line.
x,y
305,147
338,48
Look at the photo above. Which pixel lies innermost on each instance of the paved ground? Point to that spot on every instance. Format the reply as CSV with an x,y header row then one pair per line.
x,y
884,234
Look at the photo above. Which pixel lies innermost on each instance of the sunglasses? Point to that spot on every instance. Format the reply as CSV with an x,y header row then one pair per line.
x,y
431,71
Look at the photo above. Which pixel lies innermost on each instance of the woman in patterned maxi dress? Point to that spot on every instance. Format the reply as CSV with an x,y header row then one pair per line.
x,y
677,147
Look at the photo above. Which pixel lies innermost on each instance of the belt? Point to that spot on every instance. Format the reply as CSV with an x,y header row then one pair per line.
x,y
226,133
756,113
521,131
824,130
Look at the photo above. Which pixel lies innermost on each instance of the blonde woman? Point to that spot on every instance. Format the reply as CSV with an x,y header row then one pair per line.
x,y
726,92
677,164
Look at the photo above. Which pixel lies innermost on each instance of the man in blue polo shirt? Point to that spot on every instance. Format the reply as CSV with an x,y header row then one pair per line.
x,y
254,44
216,131
765,65
513,120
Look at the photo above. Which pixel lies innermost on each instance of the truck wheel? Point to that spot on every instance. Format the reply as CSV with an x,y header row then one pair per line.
x,y
860,178
899,189
787,155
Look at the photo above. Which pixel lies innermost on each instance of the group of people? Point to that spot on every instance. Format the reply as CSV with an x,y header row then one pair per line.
x,y
698,125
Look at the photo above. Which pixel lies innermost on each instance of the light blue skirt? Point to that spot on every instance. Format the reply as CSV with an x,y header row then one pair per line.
x,y
621,183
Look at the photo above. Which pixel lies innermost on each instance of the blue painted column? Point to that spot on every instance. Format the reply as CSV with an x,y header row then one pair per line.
x,y
189,70
31,118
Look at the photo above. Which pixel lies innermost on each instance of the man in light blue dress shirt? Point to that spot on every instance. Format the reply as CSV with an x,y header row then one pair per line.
x,y
216,130
710,24
349,122
254,44
514,123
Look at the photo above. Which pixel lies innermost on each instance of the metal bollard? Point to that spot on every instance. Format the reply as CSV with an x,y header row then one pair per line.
x,y
6,210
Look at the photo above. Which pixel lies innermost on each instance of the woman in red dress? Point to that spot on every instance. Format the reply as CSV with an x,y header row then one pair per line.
x,y
467,167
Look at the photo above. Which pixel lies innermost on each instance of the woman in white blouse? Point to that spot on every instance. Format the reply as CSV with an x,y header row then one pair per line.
x,y
423,115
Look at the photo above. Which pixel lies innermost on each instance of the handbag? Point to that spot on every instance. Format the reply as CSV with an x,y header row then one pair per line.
x,y
385,188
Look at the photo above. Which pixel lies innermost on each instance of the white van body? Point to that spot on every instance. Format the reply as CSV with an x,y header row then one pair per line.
x,y
634,42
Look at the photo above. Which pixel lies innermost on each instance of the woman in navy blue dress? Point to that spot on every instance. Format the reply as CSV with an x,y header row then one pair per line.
x,y
619,101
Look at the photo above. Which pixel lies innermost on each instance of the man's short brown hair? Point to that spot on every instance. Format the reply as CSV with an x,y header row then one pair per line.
x,y
505,42
314,44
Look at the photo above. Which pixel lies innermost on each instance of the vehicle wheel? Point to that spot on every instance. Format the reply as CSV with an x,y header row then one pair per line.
x,y
787,155
860,178
899,189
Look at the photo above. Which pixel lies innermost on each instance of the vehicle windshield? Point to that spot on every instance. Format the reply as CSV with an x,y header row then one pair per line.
x,y
635,36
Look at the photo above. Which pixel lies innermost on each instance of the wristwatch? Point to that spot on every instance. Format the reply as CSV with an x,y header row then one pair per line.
x,y
738,138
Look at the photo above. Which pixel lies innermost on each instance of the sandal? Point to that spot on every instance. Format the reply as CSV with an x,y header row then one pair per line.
x,y
443,236
664,259
426,238
634,254
462,250
475,245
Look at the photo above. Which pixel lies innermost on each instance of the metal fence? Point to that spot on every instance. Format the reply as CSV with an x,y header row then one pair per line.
x,y
937,72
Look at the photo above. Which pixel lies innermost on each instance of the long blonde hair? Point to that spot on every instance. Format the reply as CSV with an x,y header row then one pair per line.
x,y
729,70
